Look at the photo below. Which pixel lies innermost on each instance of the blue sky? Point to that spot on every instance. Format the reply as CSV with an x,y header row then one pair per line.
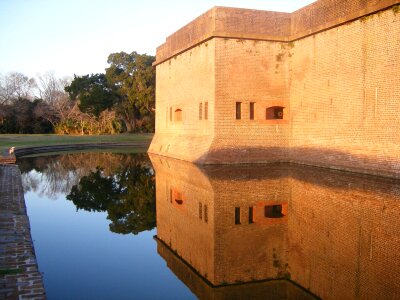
x,y
76,36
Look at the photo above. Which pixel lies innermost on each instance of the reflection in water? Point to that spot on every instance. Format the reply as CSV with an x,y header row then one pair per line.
x,y
128,197
78,254
333,233
56,174
121,185
229,232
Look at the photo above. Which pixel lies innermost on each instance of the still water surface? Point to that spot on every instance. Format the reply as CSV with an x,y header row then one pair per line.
x,y
89,243
220,232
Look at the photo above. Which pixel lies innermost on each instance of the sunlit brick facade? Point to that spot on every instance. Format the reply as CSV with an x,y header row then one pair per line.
x,y
319,86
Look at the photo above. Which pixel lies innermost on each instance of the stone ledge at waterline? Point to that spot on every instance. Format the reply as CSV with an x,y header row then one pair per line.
x,y
19,274
72,147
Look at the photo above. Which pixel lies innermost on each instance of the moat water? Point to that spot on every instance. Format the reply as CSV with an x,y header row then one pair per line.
x,y
126,226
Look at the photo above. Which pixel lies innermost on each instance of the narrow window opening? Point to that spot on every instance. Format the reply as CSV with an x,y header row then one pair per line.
x,y
178,115
274,112
273,211
170,114
205,110
200,211
251,110
238,110
251,215
205,213
200,111
237,215
170,195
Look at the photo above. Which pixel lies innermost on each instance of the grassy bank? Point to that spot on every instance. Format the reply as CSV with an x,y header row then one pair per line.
x,y
34,140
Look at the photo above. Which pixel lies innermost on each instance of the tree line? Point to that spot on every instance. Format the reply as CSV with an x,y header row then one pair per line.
x,y
122,99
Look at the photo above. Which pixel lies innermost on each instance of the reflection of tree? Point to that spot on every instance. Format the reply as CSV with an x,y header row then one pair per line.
x,y
121,184
48,176
94,192
128,197
57,174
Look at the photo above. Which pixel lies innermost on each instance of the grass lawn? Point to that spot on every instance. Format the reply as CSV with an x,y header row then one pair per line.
x,y
31,140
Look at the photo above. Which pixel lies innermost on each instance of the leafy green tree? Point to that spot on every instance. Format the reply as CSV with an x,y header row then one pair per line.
x,y
93,93
133,76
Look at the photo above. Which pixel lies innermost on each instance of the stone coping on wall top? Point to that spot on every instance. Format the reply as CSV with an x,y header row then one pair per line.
x,y
382,5
169,49
223,34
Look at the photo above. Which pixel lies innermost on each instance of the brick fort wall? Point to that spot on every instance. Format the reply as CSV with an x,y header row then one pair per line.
x,y
331,69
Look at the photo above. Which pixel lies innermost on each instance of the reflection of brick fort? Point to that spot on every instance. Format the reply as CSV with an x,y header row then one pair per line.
x,y
337,234
318,86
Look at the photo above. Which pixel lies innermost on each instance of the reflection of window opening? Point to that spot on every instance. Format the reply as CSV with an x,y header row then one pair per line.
x,y
238,110
205,213
251,215
200,111
170,114
273,211
205,110
200,211
274,112
237,215
170,195
178,198
178,115
251,110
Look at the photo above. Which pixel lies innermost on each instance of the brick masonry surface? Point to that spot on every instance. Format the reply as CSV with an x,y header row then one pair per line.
x,y
337,237
275,289
20,277
333,66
